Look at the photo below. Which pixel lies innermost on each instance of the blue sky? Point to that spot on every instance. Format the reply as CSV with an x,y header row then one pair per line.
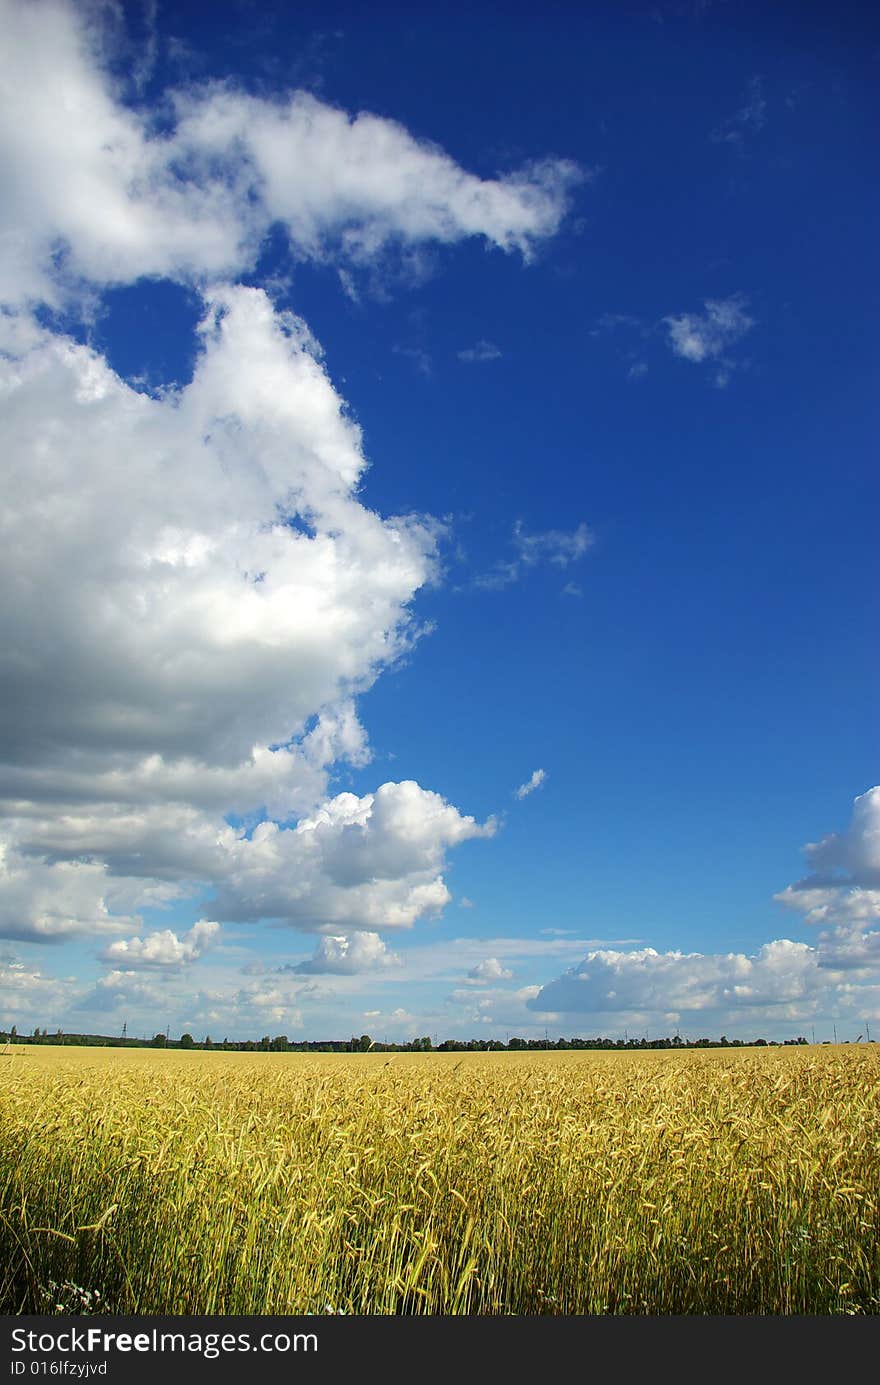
x,y
439,588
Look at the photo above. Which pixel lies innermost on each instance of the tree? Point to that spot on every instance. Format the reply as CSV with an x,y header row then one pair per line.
x,y
187,1041
365,1042
158,1041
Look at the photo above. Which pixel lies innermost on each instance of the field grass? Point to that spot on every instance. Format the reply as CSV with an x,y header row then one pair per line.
x,y
723,1182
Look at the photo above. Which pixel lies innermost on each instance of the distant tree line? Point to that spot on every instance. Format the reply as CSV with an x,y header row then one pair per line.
x,y
364,1044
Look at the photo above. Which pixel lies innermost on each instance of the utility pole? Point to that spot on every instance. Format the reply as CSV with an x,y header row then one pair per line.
x,y
834,1027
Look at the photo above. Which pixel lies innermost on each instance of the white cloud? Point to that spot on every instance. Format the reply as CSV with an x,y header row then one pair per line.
x,y
163,948
350,955
194,594
784,982
841,894
480,351
93,189
401,1016
128,990
370,863
851,858
708,336
490,969
780,973
46,901
178,608
535,782
148,673
26,993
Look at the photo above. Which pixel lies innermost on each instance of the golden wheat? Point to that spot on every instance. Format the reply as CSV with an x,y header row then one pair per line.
x,y
716,1182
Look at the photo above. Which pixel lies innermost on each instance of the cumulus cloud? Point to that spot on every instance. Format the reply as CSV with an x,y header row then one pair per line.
x,y
184,635
163,948
784,981
780,973
489,970
370,862
94,190
341,955
207,598
841,893
194,594
49,901
849,859
709,336
535,782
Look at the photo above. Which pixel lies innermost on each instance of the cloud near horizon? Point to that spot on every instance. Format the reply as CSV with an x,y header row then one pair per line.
x,y
783,982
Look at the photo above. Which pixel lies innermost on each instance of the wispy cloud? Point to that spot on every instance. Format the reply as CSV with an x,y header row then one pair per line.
x,y
748,120
480,351
707,337
559,547
537,779
610,322
420,359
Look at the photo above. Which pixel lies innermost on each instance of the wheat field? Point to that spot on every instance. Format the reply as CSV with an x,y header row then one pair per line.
x,y
719,1181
